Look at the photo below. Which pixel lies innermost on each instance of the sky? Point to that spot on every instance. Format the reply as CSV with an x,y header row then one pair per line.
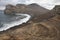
x,y
48,4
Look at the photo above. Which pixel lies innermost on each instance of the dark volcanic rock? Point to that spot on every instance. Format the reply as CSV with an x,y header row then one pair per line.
x,y
35,10
57,9
10,9
22,8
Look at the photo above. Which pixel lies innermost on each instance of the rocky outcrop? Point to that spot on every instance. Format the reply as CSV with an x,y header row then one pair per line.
x,y
32,9
35,10
22,8
9,9
57,9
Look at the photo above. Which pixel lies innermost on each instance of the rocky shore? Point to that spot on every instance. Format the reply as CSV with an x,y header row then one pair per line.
x,y
35,10
44,25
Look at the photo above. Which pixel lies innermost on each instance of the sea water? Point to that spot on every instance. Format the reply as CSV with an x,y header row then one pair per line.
x,y
8,21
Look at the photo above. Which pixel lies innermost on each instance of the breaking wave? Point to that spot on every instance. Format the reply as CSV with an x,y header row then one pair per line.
x,y
8,21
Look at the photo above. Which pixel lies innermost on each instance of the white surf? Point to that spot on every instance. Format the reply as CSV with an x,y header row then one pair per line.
x,y
14,21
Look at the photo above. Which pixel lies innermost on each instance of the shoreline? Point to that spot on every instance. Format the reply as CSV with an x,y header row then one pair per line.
x,y
16,23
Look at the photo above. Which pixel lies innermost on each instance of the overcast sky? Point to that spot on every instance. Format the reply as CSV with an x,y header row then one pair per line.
x,y
49,4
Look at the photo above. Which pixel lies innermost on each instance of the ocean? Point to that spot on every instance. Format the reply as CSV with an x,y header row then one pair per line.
x,y
8,21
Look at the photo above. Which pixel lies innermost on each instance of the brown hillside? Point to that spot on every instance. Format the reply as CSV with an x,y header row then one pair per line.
x,y
42,27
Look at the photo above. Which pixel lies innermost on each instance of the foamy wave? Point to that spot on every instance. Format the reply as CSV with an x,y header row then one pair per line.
x,y
15,23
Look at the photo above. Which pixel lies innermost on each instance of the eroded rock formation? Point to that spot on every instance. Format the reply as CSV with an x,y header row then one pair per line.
x,y
22,8
35,10
48,29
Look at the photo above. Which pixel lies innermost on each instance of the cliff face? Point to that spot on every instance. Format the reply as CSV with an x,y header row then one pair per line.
x,y
34,10
57,9
10,9
22,8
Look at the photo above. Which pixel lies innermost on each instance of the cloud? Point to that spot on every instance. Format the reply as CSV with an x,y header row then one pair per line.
x,y
57,2
5,2
48,4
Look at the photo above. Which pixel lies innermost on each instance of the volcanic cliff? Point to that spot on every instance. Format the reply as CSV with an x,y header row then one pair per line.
x,y
35,10
46,24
